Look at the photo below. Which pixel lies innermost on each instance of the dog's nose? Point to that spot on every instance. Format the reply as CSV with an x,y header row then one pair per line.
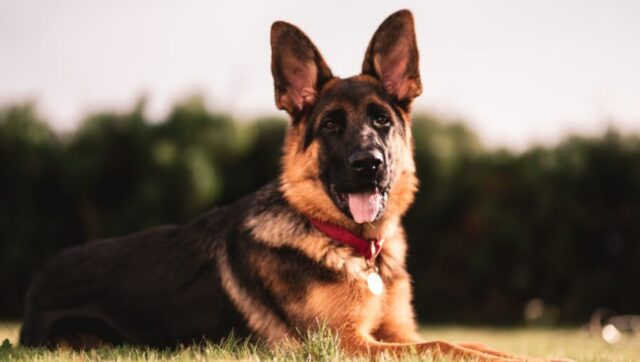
x,y
365,160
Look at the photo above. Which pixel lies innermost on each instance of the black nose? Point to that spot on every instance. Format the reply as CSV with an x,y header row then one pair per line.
x,y
365,160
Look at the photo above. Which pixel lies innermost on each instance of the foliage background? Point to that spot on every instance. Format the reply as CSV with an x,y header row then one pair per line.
x,y
490,230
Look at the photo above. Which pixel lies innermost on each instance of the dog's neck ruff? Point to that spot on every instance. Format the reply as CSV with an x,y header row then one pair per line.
x,y
368,248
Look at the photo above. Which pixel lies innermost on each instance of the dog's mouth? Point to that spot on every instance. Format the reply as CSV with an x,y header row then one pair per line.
x,y
365,205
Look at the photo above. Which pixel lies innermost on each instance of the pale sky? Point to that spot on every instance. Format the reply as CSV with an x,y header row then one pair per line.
x,y
519,72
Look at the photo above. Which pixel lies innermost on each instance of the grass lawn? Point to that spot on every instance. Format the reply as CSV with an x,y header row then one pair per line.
x,y
568,343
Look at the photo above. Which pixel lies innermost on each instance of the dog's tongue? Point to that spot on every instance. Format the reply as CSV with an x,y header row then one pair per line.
x,y
364,206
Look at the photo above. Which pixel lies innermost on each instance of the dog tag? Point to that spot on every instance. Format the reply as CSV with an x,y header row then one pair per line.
x,y
376,287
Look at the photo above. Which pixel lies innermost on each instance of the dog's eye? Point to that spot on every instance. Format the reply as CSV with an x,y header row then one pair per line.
x,y
333,121
381,120
378,116
330,125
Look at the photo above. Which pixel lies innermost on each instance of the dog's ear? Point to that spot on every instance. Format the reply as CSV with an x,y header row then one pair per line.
x,y
392,57
297,67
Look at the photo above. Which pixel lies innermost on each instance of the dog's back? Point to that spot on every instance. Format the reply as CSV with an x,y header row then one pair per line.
x,y
179,284
158,288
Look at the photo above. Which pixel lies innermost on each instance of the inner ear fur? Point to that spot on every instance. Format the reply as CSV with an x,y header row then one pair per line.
x,y
298,69
392,57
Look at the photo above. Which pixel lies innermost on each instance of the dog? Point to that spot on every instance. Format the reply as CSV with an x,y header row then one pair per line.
x,y
323,242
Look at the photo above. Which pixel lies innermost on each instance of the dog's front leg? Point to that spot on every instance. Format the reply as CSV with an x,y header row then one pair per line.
x,y
484,349
362,344
398,323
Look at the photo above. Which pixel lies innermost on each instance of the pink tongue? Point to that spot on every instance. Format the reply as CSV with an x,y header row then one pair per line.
x,y
365,206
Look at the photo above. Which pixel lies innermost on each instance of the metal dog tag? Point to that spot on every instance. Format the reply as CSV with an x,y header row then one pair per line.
x,y
376,287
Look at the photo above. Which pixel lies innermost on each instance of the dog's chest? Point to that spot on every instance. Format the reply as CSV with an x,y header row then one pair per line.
x,y
350,300
346,302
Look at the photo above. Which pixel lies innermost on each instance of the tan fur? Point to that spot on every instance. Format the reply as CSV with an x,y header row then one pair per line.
x,y
300,180
276,231
349,306
258,317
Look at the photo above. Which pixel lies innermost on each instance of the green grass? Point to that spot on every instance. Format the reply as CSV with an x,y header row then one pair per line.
x,y
535,342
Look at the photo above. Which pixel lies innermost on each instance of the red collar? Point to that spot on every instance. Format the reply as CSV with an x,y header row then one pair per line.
x,y
369,249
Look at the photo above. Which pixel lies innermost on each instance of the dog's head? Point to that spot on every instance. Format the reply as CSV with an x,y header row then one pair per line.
x,y
348,154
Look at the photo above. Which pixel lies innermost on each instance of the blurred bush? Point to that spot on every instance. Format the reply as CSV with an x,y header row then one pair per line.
x,y
490,229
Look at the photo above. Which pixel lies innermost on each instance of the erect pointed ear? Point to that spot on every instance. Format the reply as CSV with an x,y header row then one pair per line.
x,y
297,67
392,57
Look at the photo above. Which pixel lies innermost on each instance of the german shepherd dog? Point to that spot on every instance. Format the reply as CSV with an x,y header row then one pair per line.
x,y
324,242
